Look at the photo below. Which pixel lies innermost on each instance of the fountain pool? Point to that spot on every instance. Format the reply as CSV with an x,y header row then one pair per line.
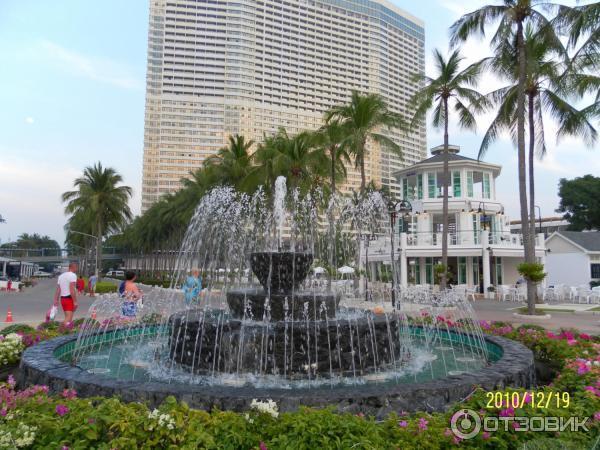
x,y
265,328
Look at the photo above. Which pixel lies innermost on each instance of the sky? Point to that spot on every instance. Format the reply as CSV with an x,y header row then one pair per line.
x,y
72,93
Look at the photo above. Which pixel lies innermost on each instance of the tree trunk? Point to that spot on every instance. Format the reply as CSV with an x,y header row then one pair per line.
x,y
443,278
531,177
522,165
99,251
332,150
363,176
332,239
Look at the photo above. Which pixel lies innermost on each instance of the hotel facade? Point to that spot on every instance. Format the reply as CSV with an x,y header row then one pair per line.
x,y
217,68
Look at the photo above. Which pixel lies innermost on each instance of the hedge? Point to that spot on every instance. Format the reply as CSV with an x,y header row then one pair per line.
x,y
36,419
105,287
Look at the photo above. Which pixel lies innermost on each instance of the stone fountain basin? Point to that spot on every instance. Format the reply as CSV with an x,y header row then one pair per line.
x,y
42,364
280,272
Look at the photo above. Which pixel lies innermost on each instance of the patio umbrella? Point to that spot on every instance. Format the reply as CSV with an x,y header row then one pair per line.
x,y
346,269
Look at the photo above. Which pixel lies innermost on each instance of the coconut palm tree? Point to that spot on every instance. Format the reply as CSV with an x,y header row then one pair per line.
x,y
363,116
332,138
99,197
546,62
451,87
580,25
510,18
231,164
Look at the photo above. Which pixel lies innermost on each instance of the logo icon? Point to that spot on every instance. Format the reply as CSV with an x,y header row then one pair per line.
x,y
465,423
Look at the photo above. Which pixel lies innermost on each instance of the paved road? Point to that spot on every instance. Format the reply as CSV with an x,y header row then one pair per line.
x,y
30,305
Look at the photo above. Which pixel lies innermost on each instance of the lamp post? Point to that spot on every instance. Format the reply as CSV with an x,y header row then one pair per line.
x,y
401,206
96,271
539,218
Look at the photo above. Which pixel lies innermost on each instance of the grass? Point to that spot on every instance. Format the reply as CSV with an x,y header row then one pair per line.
x,y
597,308
545,310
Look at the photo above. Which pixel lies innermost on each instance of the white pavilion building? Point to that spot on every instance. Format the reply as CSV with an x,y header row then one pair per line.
x,y
482,251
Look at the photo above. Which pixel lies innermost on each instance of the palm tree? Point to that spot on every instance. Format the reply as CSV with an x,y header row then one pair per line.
x,y
511,17
362,116
546,62
332,139
295,157
231,164
451,86
580,25
99,198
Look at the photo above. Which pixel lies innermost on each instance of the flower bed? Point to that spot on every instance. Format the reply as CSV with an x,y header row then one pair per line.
x,y
33,419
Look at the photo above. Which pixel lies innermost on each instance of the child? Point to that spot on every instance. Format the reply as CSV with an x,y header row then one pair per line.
x,y
80,285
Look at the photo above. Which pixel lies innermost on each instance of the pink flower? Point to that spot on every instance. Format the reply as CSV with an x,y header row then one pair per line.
x,y
597,415
508,412
61,410
567,335
551,335
571,342
584,336
403,424
448,432
64,447
583,369
515,425
69,393
485,324
457,440
262,446
422,424
3,412
527,398
485,435
91,421
11,381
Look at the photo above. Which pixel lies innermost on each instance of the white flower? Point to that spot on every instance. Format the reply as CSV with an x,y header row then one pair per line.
x,y
266,407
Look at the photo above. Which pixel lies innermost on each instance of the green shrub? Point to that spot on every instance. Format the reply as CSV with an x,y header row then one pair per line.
x,y
17,328
532,271
105,287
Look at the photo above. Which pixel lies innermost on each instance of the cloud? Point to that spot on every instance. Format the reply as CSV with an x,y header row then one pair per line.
x,y
29,120
31,197
97,69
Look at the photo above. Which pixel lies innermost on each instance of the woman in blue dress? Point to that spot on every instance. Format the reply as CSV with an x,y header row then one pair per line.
x,y
192,286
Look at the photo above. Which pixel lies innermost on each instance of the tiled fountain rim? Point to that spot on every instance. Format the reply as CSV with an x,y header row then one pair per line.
x,y
39,365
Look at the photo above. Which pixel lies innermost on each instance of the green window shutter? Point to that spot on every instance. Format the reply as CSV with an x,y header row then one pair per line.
x,y
486,185
431,185
456,183
404,189
420,186
470,183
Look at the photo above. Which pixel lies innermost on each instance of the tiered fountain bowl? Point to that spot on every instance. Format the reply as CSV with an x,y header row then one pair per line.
x,y
294,332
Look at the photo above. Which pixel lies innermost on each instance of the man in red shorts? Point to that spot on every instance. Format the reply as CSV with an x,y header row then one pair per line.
x,y
66,291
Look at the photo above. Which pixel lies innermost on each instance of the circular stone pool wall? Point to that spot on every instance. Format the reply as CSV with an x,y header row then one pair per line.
x,y
41,364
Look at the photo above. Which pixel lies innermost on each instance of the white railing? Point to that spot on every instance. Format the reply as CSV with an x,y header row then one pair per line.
x,y
465,238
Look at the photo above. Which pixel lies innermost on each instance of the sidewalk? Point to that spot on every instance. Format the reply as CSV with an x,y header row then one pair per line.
x,y
30,305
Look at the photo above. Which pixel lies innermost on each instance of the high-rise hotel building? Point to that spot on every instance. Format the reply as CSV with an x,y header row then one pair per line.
x,y
217,67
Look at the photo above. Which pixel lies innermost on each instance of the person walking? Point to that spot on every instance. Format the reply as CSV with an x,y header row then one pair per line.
x,y
132,296
92,280
66,291
192,287
80,285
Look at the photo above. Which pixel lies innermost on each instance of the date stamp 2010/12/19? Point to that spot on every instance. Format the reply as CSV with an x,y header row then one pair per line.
x,y
531,399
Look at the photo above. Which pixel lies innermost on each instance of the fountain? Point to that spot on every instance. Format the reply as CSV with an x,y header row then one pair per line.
x,y
265,327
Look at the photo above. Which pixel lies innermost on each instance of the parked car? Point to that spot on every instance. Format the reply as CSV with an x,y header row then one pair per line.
x,y
41,274
115,274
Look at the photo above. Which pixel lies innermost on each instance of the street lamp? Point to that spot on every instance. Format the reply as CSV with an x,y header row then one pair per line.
x,y
97,252
401,206
539,217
